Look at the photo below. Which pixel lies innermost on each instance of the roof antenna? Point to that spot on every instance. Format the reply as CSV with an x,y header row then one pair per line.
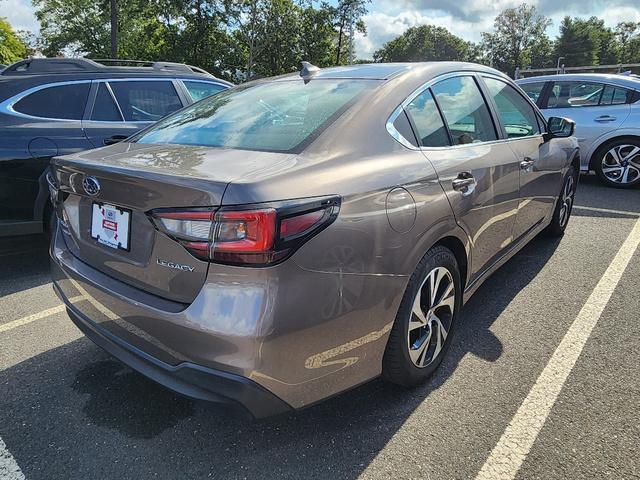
x,y
308,70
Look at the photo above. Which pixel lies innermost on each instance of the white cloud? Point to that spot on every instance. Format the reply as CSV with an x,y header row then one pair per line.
x,y
469,18
20,14
382,27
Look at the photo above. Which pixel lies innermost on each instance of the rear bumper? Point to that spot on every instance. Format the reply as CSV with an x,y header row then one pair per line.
x,y
188,379
271,339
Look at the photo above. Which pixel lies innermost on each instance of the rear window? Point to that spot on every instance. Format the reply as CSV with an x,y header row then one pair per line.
x,y
276,116
62,101
200,90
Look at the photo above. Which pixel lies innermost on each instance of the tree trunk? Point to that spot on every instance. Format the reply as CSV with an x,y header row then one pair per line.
x,y
114,29
339,42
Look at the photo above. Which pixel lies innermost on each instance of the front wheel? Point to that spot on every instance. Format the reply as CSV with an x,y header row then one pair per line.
x,y
425,321
618,163
564,205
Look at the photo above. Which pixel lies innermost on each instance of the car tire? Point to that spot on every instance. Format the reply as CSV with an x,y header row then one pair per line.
x,y
414,352
564,205
615,163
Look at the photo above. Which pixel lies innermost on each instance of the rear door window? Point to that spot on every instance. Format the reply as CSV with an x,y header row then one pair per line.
x,y
427,120
105,108
613,95
572,94
146,101
464,110
200,90
60,101
516,114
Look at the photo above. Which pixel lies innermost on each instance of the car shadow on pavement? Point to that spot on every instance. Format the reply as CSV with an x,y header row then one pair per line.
x,y
106,418
25,263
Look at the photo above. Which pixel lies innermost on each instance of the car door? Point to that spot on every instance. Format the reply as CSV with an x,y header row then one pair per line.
x,y
540,177
123,107
585,103
478,173
47,122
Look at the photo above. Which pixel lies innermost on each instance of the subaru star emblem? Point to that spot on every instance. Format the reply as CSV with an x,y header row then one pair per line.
x,y
91,186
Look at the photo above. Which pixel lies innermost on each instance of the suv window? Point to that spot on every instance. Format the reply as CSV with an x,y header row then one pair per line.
x,y
200,90
575,94
146,101
517,116
615,95
104,108
427,120
533,90
464,110
61,101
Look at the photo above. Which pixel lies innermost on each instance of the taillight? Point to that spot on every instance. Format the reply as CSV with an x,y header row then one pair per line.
x,y
257,235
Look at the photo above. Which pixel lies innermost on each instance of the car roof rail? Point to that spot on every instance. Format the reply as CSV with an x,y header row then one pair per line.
x,y
52,65
87,65
171,66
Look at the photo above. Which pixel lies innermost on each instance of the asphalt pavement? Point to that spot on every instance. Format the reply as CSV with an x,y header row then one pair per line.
x,y
69,411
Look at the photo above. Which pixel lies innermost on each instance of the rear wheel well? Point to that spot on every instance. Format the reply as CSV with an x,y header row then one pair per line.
x,y
457,248
606,144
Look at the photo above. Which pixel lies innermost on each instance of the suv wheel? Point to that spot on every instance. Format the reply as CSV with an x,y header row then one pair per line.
x,y
425,322
617,163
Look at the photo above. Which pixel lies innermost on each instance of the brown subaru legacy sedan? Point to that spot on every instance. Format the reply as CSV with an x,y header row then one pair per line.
x,y
292,237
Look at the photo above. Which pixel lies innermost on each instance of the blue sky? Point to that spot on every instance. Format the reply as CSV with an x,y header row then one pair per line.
x,y
389,18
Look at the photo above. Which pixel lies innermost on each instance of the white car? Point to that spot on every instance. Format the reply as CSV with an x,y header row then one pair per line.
x,y
606,109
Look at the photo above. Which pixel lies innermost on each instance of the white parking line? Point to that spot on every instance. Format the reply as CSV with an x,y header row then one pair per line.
x,y
9,469
511,450
36,316
607,210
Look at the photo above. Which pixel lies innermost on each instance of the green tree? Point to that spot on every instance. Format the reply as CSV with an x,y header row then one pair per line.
x,y
12,48
628,37
517,33
425,43
586,42
349,12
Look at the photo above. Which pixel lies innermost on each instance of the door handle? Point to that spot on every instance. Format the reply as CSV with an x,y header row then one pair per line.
x,y
464,183
114,139
605,118
526,163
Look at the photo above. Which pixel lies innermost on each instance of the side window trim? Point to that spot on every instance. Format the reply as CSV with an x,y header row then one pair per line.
x,y
501,131
91,104
413,123
442,119
115,100
416,138
8,104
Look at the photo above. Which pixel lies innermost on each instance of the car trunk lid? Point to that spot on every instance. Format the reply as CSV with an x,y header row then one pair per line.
x,y
132,180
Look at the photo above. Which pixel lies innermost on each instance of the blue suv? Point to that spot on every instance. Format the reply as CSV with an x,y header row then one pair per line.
x,y
57,106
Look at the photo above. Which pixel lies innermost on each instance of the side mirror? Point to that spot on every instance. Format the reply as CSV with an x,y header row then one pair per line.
x,y
559,127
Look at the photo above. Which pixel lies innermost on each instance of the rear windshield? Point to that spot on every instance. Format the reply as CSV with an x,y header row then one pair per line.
x,y
277,116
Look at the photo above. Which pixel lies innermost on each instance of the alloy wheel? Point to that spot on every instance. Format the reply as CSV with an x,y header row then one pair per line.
x,y
431,317
621,164
568,192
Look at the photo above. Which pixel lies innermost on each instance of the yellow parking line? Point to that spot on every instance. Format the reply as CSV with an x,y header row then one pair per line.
x,y
37,316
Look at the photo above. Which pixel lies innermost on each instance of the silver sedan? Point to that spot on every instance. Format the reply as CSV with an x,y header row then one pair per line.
x,y
606,109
